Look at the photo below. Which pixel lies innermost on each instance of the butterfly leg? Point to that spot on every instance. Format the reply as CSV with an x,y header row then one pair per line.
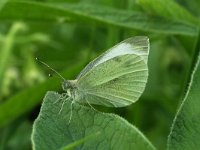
x,y
63,103
91,105
70,117
62,96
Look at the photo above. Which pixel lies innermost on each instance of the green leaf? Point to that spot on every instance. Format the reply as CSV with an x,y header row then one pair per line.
x,y
168,9
27,99
185,132
52,130
63,12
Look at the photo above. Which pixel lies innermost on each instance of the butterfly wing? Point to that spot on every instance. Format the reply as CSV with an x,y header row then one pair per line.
x,y
138,45
116,81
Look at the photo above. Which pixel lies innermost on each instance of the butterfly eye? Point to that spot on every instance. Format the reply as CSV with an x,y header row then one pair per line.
x,y
65,85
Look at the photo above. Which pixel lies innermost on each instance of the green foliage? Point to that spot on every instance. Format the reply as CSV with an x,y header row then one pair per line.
x,y
59,12
16,133
53,131
67,34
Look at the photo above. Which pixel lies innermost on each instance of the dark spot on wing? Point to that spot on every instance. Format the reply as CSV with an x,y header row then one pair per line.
x,y
114,80
117,59
128,63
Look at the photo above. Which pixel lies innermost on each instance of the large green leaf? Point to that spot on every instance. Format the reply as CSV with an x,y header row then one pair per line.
x,y
185,132
88,129
62,12
27,99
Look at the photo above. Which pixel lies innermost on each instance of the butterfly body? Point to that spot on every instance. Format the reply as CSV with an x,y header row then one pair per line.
x,y
70,86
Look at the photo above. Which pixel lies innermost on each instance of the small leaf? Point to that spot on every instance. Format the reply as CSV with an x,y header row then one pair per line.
x,y
168,9
52,130
185,132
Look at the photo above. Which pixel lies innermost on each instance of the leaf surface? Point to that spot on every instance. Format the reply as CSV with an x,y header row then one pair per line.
x,y
53,131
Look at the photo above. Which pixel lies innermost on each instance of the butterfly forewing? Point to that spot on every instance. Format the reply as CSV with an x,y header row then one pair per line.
x,y
138,45
118,77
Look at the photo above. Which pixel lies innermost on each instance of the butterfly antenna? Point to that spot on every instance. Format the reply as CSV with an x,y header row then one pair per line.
x,y
50,68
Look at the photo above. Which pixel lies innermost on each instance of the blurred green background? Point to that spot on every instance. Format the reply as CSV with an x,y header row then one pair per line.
x,y
67,34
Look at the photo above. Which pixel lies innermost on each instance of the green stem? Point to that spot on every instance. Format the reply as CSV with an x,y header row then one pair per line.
x,y
6,50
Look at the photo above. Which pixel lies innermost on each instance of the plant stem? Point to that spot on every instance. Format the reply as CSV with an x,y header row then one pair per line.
x,y
6,50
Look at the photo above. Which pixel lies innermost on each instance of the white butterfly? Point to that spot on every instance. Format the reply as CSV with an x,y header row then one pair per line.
x,y
116,78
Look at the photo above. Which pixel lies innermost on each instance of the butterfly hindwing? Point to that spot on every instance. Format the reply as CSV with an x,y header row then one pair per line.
x,y
120,81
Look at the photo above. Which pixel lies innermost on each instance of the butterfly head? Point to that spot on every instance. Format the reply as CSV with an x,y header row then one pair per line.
x,y
68,85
